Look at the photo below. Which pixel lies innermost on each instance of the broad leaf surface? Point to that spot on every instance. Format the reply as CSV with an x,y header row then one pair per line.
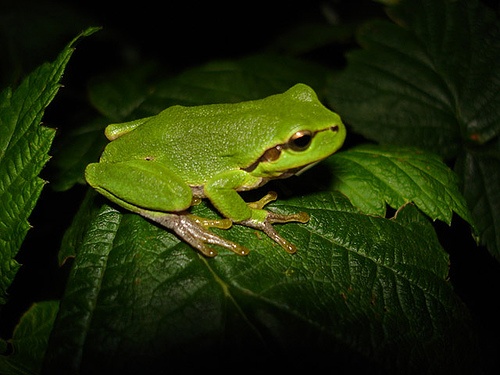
x,y
431,80
24,147
376,289
373,176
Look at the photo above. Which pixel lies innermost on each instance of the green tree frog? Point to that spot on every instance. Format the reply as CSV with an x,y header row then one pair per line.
x,y
160,166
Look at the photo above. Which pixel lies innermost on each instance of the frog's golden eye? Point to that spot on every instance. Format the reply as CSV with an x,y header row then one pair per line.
x,y
300,141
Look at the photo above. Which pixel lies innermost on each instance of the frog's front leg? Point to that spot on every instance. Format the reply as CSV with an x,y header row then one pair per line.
x,y
222,192
263,220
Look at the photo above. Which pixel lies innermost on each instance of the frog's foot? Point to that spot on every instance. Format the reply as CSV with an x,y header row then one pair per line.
x,y
259,205
195,231
263,220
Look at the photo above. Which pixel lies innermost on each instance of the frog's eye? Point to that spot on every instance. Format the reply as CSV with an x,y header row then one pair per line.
x,y
300,141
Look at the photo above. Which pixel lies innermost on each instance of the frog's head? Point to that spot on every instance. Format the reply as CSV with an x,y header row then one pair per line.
x,y
306,133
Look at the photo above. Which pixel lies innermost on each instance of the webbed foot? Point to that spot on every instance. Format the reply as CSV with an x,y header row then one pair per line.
x,y
195,231
263,220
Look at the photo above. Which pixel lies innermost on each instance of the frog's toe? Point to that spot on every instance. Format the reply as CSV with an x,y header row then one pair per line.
x,y
194,230
211,223
300,217
264,220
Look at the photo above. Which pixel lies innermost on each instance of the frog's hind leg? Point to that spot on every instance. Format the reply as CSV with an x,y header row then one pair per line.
x,y
194,230
153,191
140,184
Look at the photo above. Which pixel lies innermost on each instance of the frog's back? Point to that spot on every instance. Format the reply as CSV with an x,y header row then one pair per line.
x,y
195,142
201,141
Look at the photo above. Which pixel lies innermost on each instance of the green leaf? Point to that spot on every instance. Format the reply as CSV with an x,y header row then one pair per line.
x,y
360,288
79,226
373,176
228,81
430,80
136,92
29,341
481,179
117,95
75,151
465,52
24,147
430,83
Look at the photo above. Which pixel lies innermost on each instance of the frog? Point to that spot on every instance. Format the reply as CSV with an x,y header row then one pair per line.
x,y
161,166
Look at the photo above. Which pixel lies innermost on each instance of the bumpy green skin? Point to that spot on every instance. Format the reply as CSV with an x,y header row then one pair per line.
x,y
159,166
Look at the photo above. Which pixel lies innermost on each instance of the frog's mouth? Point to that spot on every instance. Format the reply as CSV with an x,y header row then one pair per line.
x,y
301,170
297,171
292,172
